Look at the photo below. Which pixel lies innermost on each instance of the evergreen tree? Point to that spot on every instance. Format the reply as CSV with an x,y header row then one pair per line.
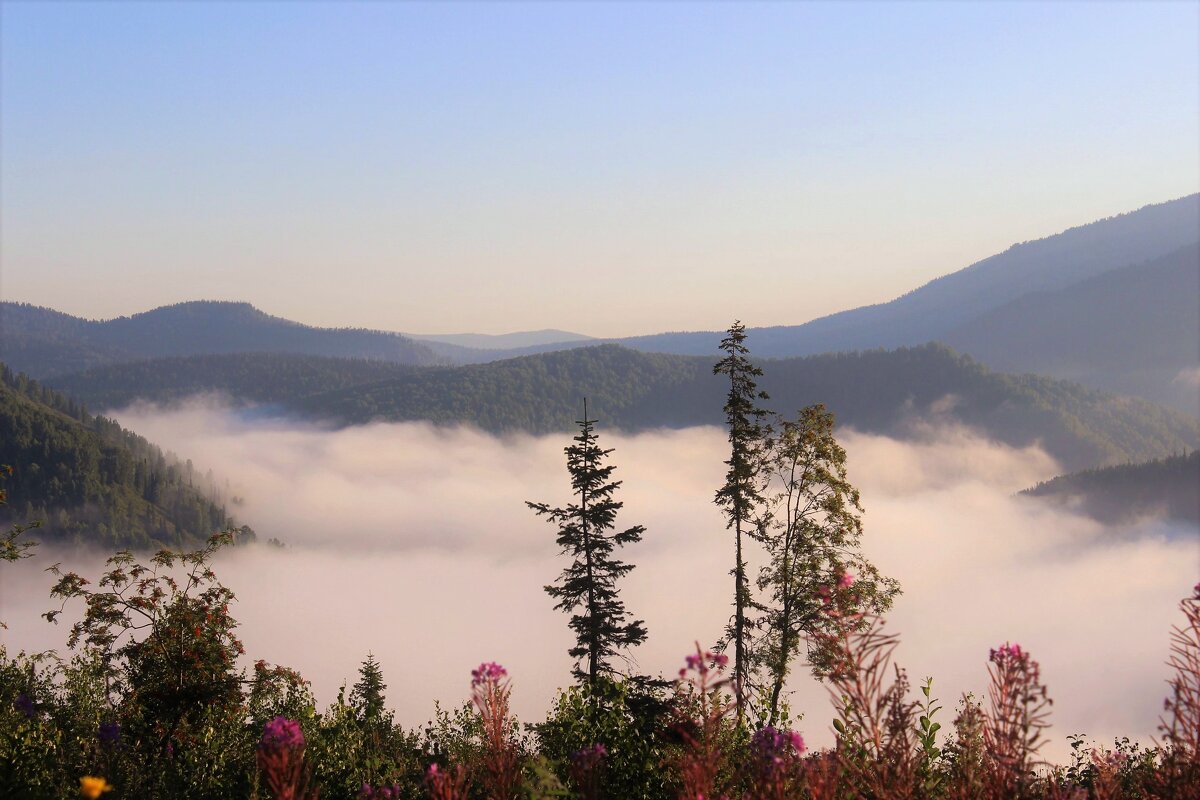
x,y
812,528
589,585
740,496
367,695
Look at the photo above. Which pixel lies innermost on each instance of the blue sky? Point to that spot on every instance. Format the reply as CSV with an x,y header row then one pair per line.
x,y
606,168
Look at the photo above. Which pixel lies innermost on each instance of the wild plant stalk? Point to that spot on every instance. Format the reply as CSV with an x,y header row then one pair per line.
x,y
280,756
446,784
1180,769
775,765
1018,713
1181,729
587,771
490,691
876,722
965,753
703,759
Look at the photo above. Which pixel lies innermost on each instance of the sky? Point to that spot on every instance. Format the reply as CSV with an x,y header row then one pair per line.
x,y
610,169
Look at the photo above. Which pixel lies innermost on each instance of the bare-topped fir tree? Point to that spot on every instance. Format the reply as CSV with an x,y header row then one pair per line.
x,y
740,496
587,588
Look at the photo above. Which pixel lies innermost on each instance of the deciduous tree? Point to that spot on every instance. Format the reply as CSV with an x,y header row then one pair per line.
x,y
811,527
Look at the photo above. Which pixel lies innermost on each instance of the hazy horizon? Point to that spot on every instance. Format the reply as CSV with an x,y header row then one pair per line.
x,y
458,168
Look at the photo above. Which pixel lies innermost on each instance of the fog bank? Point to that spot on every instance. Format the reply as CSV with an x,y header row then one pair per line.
x,y
414,543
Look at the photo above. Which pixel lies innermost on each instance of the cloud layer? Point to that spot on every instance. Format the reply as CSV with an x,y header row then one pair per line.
x,y
414,543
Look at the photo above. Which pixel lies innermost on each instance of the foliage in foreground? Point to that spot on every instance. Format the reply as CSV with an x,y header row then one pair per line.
x,y
150,706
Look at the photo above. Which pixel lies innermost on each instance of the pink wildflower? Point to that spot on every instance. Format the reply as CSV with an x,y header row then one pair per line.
x,y
488,672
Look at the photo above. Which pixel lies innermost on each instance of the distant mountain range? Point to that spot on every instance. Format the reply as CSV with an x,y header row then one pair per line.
x,y
892,392
502,341
1132,330
1112,304
41,342
1166,487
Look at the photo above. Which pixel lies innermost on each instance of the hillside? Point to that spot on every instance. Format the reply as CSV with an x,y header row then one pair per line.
x,y
43,342
1130,330
883,391
92,482
245,378
1167,487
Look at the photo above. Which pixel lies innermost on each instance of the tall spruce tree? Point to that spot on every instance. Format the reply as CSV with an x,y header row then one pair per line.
x,y
811,527
740,496
587,588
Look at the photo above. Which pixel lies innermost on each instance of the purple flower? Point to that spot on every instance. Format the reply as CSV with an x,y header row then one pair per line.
x,y
773,746
775,754
24,704
282,733
488,672
109,733
1008,652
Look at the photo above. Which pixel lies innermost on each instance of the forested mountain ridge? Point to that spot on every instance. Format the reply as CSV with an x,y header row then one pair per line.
x,y
43,342
90,481
1168,486
243,378
879,391
876,390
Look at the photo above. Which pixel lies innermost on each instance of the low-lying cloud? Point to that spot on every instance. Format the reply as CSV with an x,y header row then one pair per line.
x,y
413,542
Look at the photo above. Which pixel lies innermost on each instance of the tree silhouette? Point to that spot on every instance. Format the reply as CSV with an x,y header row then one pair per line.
x,y
740,496
588,585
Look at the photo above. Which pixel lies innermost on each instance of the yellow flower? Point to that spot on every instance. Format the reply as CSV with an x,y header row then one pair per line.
x,y
92,787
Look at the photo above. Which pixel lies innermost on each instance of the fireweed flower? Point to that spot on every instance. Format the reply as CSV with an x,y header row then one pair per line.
x,y
282,733
771,747
280,756
92,787
488,672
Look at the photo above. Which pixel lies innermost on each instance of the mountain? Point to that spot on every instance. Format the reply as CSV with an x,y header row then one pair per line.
x,y
503,341
88,480
892,392
1131,330
1111,304
1167,487
884,391
244,378
43,342
931,311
